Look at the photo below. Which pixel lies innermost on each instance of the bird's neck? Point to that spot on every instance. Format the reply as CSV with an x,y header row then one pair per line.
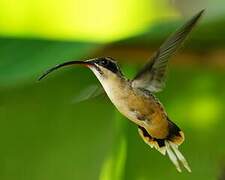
x,y
113,84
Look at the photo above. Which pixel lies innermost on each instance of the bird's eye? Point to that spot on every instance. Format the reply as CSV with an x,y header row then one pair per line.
x,y
104,62
108,64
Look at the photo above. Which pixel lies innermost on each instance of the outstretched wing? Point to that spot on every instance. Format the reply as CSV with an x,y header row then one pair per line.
x,y
152,75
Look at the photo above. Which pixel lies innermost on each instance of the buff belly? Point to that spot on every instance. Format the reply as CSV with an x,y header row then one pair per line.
x,y
141,110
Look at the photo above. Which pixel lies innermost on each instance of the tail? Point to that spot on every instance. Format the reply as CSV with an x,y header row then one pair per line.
x,y
167,146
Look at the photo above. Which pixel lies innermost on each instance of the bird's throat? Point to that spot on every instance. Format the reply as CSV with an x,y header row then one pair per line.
x,y
114,85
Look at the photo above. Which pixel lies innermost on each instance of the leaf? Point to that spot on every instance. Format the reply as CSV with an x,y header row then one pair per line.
x,y
114,165
23,59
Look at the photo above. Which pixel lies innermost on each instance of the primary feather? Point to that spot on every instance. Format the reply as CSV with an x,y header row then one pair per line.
x,y
152,76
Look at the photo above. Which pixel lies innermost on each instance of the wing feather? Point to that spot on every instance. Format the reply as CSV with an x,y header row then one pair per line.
x,y
152,76
89,92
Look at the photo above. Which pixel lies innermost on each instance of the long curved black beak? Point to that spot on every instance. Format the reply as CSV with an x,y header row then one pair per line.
x,y
85,63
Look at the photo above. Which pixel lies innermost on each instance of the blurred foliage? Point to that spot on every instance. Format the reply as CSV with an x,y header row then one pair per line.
x,y
23,60
45,135
211,38
86,20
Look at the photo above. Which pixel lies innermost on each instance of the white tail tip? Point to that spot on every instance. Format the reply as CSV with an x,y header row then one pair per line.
x,y
175,156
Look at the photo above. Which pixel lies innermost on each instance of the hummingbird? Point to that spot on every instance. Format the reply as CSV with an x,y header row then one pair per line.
x,y
135,98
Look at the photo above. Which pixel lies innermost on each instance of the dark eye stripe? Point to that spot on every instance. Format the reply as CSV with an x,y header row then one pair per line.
x,y
111,66
108,64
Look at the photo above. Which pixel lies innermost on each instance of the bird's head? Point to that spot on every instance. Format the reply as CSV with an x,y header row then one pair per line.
x,y
103,67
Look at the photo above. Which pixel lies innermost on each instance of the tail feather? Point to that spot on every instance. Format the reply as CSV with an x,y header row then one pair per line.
x,y
180,156
166,146
172,156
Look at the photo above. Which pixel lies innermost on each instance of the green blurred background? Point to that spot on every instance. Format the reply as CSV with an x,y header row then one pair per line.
x,y
44,135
